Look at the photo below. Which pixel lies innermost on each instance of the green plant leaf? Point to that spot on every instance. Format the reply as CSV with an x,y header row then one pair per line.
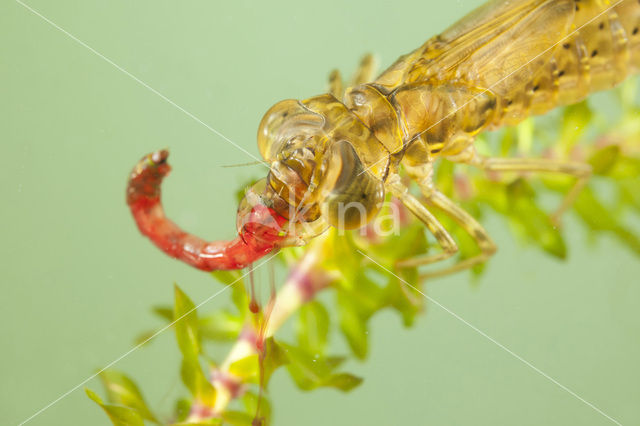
x,y
525,134
405,299
410,242
575,120
305,370
626,168
195,380
144,338
250,401
343,381
238,292
122,390
593,212
240,299
599,218
353,324
312,371
442,177
467,246
532,222
220,325
119,414
187,334
275,357
630,189
508,141
341,254
237,418
246,369
164,312
312,328
603,160
182,409
333,362
227,277
186,325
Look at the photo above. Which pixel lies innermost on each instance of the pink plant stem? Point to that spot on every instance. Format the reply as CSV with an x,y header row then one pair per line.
x,y
303,283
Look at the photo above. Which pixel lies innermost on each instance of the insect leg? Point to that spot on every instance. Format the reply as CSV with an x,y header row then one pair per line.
x,y
446,242
468,223
581,171
437,199
365,71
363,74
335,84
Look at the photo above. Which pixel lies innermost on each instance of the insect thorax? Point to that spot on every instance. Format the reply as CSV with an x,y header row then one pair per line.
x,y
442,118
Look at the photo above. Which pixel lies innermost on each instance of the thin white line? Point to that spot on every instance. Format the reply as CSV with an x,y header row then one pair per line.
x,y
100,55
500,345
251,155
504,78
140,344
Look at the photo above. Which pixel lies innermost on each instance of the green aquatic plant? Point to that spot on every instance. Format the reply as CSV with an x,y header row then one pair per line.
x,y
357,271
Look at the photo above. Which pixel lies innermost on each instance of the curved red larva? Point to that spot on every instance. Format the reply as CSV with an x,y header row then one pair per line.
x,y
257,238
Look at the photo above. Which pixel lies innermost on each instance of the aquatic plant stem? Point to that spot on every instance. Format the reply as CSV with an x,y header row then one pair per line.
x,y
302,284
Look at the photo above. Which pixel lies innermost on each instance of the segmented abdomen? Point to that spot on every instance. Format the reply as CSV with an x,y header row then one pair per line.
x,y
600,52
531,55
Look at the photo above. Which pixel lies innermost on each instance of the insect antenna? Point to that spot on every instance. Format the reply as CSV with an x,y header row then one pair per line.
x,y
251,163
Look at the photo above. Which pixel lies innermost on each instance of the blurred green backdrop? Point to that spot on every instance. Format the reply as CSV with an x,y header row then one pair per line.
x,y
77,279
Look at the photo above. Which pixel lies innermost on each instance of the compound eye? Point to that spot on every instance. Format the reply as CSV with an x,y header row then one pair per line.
x,y
286,121
352,195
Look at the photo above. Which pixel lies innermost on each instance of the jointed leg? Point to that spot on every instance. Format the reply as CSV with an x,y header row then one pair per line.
x,y
470,225
335,84
581,171
365,71
461,217
449,247
363,74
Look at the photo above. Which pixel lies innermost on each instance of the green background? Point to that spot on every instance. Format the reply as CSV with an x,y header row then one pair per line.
x,y
77,279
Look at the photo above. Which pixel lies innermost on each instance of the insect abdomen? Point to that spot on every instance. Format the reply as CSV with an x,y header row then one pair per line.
x,y
601,53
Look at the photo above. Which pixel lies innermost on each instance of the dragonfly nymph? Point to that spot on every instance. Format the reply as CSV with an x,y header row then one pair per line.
x,y
333,157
